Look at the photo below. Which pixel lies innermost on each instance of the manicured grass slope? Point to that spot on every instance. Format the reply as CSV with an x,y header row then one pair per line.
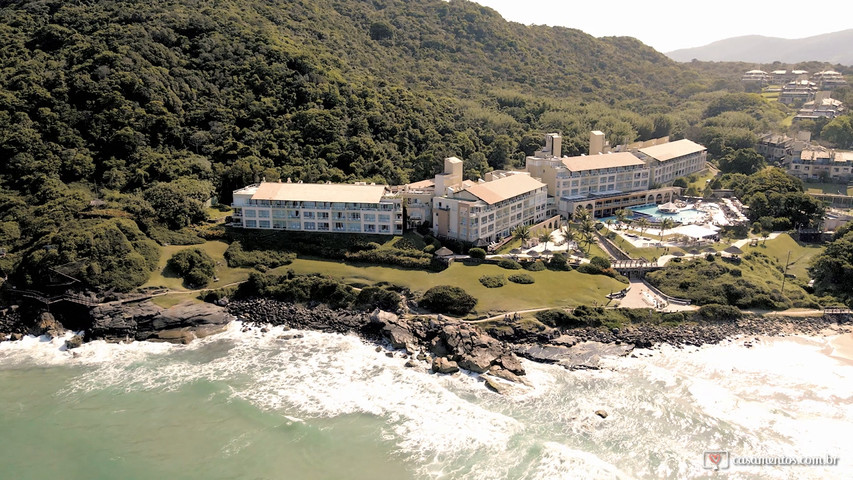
x,y
778,248
552,289
164,277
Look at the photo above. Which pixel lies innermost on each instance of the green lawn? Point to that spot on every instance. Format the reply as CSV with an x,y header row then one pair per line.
x,y
830,188
778,248
646,252
702,179
163,277
552,289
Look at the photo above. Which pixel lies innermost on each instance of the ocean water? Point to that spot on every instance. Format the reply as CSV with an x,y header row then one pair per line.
x,y
246,405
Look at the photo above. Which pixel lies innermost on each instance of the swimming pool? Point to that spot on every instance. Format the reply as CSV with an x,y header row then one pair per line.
x,y
687,215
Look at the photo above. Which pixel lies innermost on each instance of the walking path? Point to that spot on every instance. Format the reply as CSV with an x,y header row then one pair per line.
x,y
641,296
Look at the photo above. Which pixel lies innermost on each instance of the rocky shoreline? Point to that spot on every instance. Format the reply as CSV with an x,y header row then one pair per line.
x,y
443,344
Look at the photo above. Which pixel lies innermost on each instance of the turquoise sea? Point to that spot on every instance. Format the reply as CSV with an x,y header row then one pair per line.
x,y
247,405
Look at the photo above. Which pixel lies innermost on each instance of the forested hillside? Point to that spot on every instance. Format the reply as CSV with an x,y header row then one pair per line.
x,y
151,107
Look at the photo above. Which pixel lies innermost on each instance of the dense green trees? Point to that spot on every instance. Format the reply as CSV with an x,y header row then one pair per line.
x,y
746,161
775,194
155,107
832,270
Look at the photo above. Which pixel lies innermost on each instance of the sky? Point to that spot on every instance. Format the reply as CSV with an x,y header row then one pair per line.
x,y
668,25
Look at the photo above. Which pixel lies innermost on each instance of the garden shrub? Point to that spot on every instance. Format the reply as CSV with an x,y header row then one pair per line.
x,y
521,278
536,266
477,253
193,265
559,262
718,313
448,299
239,257
509,264
375,297
493,281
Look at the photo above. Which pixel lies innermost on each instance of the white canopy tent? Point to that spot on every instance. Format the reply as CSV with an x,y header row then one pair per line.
x,y
698,232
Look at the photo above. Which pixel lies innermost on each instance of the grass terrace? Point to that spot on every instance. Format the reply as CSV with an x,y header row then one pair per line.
x,y
828,188
778,248
552,288
162,276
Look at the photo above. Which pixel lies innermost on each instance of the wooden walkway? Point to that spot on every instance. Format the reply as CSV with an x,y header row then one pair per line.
x,y
80,299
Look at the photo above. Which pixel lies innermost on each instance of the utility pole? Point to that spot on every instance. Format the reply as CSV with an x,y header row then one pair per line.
x,y
785,271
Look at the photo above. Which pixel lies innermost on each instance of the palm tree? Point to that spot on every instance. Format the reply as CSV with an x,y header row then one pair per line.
x,y
587,231
621,215
581,214
642,223
545,236
569,234
522,232
666,224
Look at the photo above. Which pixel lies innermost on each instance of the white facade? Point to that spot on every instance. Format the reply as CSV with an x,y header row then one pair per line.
x,y
489,211
671,160
318,208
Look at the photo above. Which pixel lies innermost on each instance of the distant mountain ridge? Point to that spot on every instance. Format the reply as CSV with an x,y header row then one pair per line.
x,y
829,47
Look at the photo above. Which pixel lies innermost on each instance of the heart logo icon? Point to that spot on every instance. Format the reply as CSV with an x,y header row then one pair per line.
x,y
715,458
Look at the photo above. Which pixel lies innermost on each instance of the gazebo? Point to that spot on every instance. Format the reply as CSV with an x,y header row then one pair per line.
x,y
445,255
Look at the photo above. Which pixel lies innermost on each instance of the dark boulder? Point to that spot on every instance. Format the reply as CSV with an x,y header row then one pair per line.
x,y
443,365
46,324
74,342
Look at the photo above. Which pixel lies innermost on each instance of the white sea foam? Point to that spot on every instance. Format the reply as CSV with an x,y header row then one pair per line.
x,y
780,397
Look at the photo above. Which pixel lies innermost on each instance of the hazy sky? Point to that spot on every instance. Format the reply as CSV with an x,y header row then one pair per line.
x,y
669,25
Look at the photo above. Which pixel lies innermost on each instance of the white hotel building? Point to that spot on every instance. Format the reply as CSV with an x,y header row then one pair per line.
x,y
318,207
490,210
671,160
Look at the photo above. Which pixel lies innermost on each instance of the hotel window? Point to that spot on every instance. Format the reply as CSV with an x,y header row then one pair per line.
x,y
369,217
309,226
251,223
308,215
355,216
353,227
250,213
278,214
384,218
323,226
278,224
263,213
370,228
264,223
384,229
322,215
294,225
293,214
339,226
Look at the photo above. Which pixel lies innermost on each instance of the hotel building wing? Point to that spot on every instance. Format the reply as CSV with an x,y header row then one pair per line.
x,y
321,207
490,210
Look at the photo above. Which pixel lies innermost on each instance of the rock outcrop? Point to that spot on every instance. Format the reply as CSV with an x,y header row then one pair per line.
x,y
147,321
46,324
450,343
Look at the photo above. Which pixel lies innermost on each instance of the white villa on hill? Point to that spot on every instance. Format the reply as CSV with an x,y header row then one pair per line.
x,y
321,207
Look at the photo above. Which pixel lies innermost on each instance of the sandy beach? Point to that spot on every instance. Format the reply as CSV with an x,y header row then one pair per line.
x,y
842,347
